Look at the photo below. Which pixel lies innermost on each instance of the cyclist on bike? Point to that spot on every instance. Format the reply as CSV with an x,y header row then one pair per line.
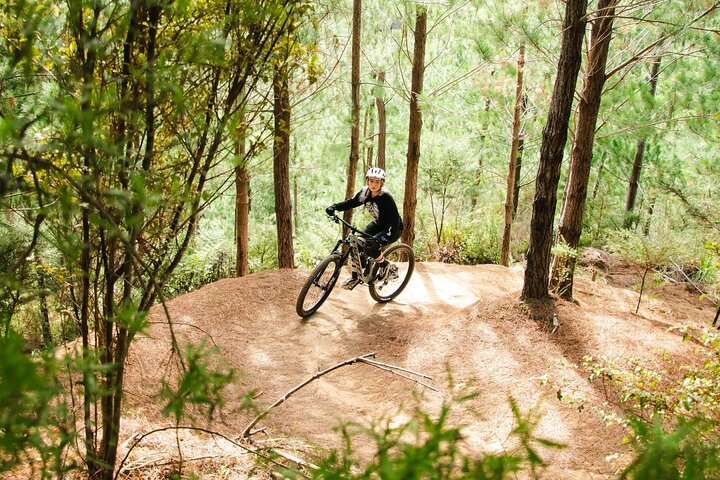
x,y
386,226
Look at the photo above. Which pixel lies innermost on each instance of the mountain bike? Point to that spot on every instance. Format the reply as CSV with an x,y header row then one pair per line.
x,y
322,280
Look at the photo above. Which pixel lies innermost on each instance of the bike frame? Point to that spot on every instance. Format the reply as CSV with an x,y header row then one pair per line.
x,y
354,252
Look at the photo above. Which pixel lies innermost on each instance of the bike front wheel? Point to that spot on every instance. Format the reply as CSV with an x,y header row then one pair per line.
x,y
318,285
402,258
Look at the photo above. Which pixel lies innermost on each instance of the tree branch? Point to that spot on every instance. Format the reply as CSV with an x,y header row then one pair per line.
x,y
660,40
362,358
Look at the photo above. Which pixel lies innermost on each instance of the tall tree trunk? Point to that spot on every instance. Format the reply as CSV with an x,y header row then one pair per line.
x,y
415,128
368,137
535,284
573,209
509,198
634,180
242,204
242,219
117,334
281,168
382,122
596,188
478,173
296,216
519,156
634,183
355,114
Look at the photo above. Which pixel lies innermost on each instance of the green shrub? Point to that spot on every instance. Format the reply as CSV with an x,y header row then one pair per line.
x,y
428,447
12,246
33,424
480,241
672,411
197,269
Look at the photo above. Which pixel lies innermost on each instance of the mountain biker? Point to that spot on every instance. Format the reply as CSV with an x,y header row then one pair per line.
x,y
386,226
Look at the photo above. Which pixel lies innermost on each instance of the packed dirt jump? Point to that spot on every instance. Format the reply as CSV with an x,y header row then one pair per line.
x,y
466,322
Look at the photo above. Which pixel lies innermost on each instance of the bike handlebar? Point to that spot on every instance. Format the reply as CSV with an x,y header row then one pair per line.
x,y
337,219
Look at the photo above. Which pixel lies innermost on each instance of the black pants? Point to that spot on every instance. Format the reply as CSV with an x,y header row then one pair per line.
x,y
383,236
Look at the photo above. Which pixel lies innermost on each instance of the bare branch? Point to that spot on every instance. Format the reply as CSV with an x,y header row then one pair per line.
x,y
391,369
658,122
263,414
248,448
362,358
641,54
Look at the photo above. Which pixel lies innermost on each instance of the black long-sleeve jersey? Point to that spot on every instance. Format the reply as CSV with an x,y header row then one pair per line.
x,y
382,208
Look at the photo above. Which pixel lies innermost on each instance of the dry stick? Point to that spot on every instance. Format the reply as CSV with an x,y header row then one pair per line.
x,y
392,368
297,460
160,462
250,449
689,280
263,414
362,358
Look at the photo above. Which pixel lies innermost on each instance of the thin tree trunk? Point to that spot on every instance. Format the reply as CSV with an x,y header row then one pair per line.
x,y
242,219
242,204
648,217
382,122
370,117
116,351
44,311
281,168
362,155
89,379
478,172
535,284
296,218
573,208
518,168
415,127
634,183
642,289
355,114
509,197
634,178
596,188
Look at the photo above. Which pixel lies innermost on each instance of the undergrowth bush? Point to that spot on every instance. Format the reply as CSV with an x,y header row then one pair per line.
x,y
198,269
34,422
474,243
12,246
428,447
671,412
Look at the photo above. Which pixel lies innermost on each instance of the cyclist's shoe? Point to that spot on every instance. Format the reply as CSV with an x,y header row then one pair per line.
x,y
350,283
393,273
387,273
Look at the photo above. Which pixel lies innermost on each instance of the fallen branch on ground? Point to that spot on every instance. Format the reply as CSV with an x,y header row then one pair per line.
x,y
260,452
393,368
362,358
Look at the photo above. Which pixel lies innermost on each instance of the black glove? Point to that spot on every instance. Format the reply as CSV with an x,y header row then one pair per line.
x,y
330,210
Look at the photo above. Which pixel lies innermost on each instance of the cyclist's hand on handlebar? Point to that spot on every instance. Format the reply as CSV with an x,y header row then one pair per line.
x,y
330,210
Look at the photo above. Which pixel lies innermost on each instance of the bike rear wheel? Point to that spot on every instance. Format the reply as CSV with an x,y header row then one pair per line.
x,y
402,257
318,285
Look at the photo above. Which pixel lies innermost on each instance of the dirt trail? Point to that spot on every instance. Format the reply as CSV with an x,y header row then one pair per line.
x,y
462,319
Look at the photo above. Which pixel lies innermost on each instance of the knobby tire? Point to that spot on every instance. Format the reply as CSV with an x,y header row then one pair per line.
x,y
318,286
403,257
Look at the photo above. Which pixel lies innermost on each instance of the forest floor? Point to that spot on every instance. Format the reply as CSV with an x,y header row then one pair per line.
x,y
466,321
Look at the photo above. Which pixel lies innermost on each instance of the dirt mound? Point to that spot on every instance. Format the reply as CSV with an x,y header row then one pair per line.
x,y
466,320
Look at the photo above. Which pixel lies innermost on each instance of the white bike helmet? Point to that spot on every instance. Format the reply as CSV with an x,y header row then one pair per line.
x,y
377,173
